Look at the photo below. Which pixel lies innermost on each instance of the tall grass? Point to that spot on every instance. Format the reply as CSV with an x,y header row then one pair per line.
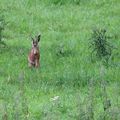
x,y
66,68
2,26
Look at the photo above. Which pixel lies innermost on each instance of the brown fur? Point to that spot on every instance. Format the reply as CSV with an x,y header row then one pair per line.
x,y
34,55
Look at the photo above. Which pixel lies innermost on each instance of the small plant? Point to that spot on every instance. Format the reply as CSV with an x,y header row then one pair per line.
x,y
77,2
81,111
16,107
105,99
99,44
51,111
20,107
90,102
24,103
63,2
63,50
5,114
56,2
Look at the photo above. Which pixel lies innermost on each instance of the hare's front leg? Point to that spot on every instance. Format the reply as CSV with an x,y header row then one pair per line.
x,y
37,64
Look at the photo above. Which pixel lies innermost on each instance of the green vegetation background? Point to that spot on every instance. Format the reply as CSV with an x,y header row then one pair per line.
x,y
65,25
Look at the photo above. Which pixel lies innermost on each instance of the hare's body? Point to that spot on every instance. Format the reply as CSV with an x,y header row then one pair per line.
x,y
34,55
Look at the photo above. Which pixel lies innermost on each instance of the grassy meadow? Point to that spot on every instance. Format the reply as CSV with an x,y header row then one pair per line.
x,y
68,85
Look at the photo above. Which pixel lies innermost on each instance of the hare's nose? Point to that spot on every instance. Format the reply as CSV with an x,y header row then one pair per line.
x,y
35,45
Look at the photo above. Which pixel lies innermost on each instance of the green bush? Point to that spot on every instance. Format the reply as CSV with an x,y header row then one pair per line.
x,y
101,48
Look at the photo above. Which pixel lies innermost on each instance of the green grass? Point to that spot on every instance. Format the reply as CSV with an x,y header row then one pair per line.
x,y
63,25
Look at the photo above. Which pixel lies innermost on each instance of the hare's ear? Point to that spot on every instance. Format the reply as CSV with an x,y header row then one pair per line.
x,y
39,37
32,39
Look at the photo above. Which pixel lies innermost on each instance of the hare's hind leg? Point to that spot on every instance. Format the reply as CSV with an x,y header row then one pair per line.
x,y
29,65
37,64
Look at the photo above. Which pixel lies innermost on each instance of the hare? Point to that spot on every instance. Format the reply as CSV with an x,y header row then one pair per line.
x,y
34,54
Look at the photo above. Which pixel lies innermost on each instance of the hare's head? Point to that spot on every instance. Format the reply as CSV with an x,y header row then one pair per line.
x,y
35,41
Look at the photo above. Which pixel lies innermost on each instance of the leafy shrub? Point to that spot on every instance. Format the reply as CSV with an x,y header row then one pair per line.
x,y
101,48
